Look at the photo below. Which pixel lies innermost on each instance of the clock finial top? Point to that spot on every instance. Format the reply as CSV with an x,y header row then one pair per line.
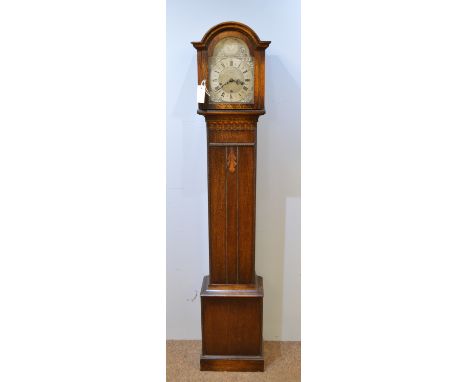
x,y
230,26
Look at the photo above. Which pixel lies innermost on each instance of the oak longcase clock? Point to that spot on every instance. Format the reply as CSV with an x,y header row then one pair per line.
x,y
231,61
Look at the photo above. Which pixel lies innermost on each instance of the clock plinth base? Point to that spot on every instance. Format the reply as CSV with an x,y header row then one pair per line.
x,y
231,363
232,323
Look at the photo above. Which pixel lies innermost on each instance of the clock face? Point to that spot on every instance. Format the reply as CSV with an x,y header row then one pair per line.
x,y
231,72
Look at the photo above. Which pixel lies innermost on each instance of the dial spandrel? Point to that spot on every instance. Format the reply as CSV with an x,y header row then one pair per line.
x,y
231,72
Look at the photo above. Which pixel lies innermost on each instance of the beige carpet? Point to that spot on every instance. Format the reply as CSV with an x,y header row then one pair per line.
x,y
282,363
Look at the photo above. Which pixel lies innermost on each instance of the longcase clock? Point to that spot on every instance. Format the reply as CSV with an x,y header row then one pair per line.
x,y
231,60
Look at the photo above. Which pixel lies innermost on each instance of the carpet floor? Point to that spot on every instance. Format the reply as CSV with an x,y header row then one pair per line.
x,y
282,363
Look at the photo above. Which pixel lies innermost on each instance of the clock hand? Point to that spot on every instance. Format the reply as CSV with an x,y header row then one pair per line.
x,y
220,86
230,80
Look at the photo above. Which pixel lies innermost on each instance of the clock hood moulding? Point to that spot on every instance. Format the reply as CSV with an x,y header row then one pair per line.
x,y
230,26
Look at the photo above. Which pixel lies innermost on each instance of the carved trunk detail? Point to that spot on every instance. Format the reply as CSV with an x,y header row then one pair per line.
x,y
231,160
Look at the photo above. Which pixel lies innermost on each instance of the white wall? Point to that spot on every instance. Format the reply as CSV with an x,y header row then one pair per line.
x,y
278,164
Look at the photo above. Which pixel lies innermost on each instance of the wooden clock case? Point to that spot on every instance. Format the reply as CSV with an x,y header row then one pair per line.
x,y
232,293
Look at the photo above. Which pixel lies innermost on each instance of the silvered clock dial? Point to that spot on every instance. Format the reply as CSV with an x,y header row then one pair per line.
x,y
231,72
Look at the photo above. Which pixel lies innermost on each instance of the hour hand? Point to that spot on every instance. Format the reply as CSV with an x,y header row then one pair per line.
x,y
219,87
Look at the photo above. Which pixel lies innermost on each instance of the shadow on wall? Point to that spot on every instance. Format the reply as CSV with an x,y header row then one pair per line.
x,y
278,179
192,130
186,201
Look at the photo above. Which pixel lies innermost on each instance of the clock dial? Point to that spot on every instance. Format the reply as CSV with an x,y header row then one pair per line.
x,y
231,72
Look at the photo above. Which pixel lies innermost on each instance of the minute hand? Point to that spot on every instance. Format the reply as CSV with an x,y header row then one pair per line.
x,y
230,80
